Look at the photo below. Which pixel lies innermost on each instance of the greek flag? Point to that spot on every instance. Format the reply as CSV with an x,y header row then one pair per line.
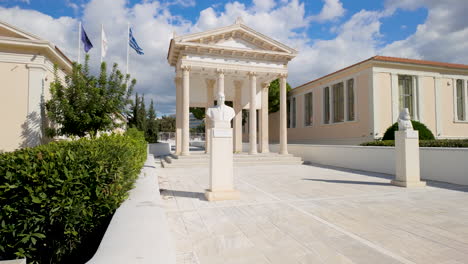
x,y
133,44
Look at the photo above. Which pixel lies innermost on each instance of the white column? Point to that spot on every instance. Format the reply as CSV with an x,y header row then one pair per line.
x,y
178,138
420,98
185,111
253,114
238,118
395,99
33,133
209,103
220,75
264,144
438,106
283,118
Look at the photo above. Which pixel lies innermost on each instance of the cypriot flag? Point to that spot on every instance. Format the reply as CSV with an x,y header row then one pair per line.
x,y
103,43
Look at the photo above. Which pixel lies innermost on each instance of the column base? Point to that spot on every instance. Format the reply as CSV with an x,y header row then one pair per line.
x,y
408,184
185,153
222,195
284,152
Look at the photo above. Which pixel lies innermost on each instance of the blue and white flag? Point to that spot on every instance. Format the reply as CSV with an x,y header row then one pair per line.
x,y
133,44
87,45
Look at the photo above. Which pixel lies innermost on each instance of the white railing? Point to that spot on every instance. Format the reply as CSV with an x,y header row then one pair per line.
x,y
170,136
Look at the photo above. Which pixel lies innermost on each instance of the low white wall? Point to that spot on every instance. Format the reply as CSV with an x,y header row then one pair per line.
x,y
139,231
159,149
438,164
199,144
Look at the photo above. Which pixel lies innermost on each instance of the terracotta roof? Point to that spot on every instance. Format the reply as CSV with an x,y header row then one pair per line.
x,y
421,62
393,59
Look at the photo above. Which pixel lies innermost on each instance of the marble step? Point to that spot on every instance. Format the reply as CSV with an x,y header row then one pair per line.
x,y
202,160
165,164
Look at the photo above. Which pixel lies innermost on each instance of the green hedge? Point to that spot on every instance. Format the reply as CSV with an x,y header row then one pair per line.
x,y
54,195
424,132
441,143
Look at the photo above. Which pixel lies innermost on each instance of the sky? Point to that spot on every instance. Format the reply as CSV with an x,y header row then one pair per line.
x,y
329,34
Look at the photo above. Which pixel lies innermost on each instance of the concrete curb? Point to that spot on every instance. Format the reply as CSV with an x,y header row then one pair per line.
x,y
139,231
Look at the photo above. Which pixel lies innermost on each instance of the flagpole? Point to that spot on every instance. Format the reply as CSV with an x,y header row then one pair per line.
x,y
102,30
128,45
79,42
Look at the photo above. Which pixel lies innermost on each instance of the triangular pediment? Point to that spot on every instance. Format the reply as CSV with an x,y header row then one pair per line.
x,y
9,31
237,36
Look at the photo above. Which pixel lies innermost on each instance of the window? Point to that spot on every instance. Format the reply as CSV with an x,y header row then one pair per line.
x,y
350,99
406,89
293,113
308,112
461,115
338,102
326,105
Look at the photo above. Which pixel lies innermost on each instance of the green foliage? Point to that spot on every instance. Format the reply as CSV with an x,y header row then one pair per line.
x,y
440,143
167,124
144,120
424,132
54,195
274,95
152,129
85,104
198,112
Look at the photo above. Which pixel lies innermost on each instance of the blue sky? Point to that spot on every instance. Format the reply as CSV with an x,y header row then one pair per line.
x,y
329,34
397,27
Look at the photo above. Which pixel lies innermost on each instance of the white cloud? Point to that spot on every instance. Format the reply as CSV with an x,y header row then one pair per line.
x,y
264,5
441,37
332,9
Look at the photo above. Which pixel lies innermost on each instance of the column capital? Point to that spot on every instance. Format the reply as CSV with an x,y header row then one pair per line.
x,y
283,75
252,74
220,71
238,84
186,68
210,83
265,85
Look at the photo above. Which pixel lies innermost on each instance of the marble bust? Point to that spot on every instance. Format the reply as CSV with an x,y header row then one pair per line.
x,y
221,112
404,120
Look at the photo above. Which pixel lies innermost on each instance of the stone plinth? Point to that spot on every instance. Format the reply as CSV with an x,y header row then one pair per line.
x,y
221,164
407,171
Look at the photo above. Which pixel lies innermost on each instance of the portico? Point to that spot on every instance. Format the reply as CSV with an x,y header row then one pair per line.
x,y
239,62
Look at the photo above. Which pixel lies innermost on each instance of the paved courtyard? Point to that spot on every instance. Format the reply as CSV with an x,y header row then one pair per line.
x,y
315,214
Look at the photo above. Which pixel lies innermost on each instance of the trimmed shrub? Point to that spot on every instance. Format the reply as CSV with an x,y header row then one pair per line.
x,y
54,195
441,143
424,132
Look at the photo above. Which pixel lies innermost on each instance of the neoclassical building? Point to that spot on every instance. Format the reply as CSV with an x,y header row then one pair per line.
x,y
241,63
26,71
358,103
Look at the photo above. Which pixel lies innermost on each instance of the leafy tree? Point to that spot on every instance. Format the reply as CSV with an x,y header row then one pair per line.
x,y
141,123
152,129
198,112
167,124
84,104
274,95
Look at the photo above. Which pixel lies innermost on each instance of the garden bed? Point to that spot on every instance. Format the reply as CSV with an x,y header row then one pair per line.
x,y
438,143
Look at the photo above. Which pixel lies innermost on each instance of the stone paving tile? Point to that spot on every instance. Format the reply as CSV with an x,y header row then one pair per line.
x,y
311,214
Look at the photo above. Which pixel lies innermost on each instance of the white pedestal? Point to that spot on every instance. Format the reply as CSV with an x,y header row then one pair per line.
x,y
221,164
407,171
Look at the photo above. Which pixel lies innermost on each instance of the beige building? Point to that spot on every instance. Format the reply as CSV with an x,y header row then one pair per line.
x,y
358,103
26,71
